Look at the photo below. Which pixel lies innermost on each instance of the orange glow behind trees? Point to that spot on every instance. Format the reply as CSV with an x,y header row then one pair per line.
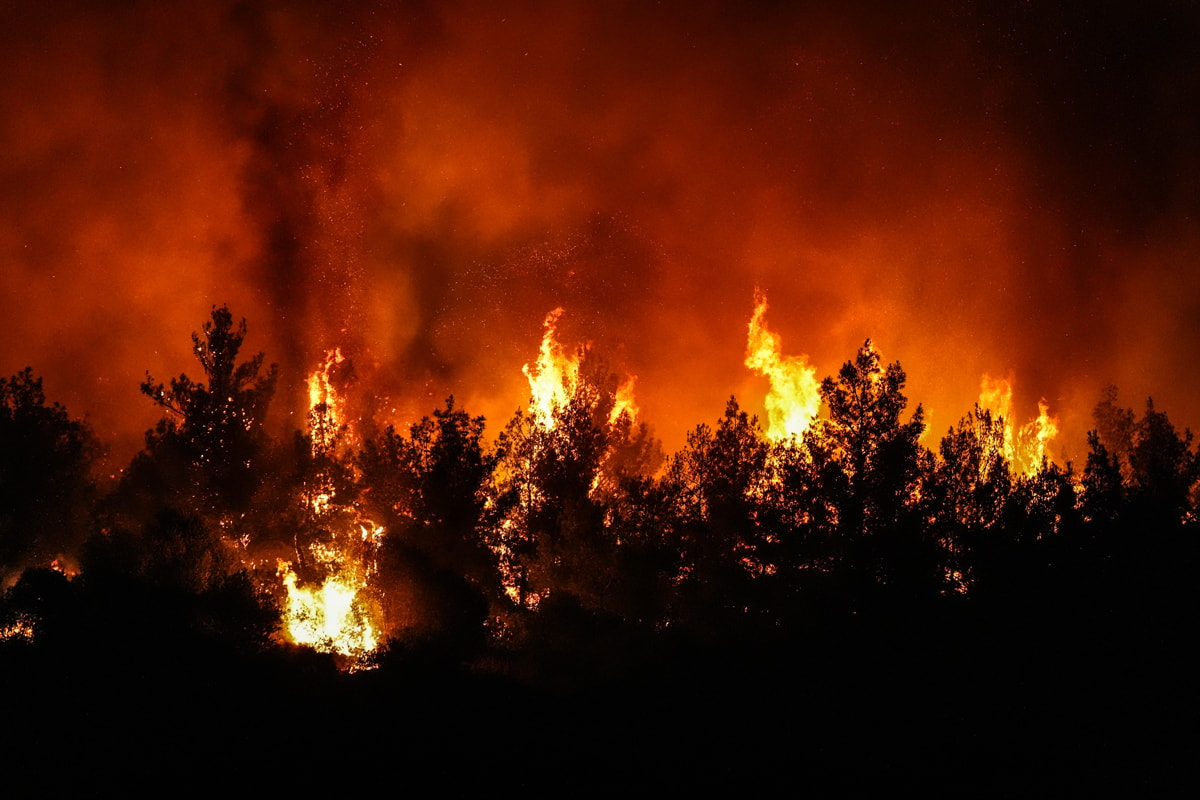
x,y
418,189
1024,446
521,454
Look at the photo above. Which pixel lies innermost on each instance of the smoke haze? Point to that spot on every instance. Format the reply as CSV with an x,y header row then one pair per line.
x,y
1005,188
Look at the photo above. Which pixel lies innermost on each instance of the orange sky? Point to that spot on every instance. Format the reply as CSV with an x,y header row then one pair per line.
x,y
1009,191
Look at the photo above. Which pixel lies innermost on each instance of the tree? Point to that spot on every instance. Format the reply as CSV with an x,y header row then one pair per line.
x,y
715,483
884,468
1115,427
1143,466
46,489
1163,468
1103,488
972,488
213,432
427,489
800,501
555,481
174,578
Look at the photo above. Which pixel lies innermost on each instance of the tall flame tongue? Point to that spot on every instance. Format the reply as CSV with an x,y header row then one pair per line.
x,y
325,415
1037,436
795,397
625,403
552,378
339,614
1024,447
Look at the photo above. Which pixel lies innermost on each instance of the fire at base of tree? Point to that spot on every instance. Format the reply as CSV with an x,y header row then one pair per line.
x,y
570,555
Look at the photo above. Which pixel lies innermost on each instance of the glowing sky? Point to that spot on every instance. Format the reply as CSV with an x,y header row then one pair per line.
x,y
991,187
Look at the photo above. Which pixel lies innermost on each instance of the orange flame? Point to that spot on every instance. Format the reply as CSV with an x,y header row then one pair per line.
x,y
795,397
1027,446
340,614
625,404
1037,435
326,414
335,617
553,377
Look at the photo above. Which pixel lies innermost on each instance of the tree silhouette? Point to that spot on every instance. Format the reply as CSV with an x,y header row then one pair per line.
x,y
715,483
884,467
1115,427
971,492
46,488
210,449
799,508
1104,496
427,491
1163,468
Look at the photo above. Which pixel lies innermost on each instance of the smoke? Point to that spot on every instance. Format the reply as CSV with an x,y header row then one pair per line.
x,y
977,190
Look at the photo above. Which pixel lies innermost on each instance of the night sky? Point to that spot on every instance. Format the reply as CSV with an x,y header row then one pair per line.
x,y
1000,188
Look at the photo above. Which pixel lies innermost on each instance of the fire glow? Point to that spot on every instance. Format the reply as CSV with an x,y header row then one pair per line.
x,y
795,398
364,188
1026,446
410,194
338,613
554,379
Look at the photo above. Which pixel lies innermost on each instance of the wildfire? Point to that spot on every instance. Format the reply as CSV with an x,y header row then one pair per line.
x,y
65,566
21,630
1024,447
625,404
326,414
335,617
795,398
340,613
554,377
1037,435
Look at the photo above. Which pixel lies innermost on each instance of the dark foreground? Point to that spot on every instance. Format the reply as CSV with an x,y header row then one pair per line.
x,y
956,699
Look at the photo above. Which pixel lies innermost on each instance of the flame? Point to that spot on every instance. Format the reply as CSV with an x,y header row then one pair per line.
x,y
341,613
1024,447
65,565
795,397
326,412
21,630
1037,435
995,394
625,404
334,617
553,377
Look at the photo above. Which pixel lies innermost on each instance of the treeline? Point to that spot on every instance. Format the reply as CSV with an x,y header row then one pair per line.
x,y
566,605
578,516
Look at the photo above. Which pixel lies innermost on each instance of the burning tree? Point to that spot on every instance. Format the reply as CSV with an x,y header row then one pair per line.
x,y
1026,448
561,465
330,602
794,398
972,489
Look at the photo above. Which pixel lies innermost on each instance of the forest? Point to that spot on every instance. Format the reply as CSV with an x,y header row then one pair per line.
x,y
556,603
